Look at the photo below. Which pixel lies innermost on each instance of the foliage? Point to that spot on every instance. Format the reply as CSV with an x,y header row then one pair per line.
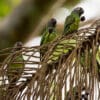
x,y
6,6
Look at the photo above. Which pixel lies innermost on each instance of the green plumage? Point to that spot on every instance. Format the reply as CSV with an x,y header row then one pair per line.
x,y
14,70
72,21
71,24
65,46
49,35
62,48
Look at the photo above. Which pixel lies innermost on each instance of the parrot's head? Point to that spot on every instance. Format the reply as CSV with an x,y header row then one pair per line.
x,y
17,46
52,22
78,10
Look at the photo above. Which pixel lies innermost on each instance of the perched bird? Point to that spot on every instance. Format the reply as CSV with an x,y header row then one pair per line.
x,y
67,45
72,21
64,47
14,70
49,34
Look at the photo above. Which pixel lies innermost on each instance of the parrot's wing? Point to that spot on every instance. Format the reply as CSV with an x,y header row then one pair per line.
x,y
15,70
42,39
70,20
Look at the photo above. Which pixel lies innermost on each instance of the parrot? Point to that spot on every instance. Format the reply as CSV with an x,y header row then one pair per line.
x,y
65,46
14,71
49,34
72,21
62,48
71,25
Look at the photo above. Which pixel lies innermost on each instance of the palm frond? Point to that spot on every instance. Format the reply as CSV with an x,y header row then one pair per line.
x,y
68,77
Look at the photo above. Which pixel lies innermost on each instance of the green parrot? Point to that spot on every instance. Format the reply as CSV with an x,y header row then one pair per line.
x,y
71,25
62,48
14,70
72,21
49,34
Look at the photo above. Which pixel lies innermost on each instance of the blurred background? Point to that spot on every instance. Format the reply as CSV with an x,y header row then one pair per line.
x,y
23,20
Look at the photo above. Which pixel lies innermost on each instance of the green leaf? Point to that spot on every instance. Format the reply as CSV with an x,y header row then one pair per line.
x,y
6,6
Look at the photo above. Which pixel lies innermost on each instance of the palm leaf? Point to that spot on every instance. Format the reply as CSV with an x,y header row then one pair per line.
x,y
68,76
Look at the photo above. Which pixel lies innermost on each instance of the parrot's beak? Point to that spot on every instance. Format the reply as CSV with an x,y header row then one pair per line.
x,y
82,18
